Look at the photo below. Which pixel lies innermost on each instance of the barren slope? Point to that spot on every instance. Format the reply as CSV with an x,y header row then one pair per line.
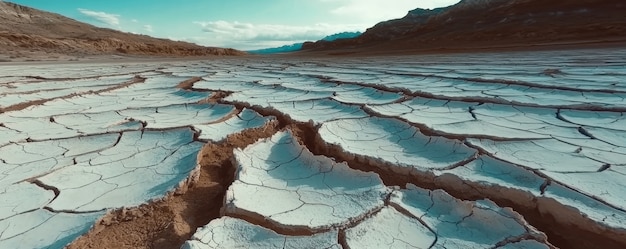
x,y
489,24
25,30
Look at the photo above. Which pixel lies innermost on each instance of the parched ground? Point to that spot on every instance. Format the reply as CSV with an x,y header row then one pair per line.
x,y
492,150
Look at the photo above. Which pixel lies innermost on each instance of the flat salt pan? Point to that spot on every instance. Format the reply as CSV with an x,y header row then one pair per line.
x,y
319,111
264,95
247,119
430,112
492,172
46,156
22,197
120,99
11,136
139,168
94,123
607,185
43,229
395,142
609,120
462,224
223,85
39,128
179,115
471,119
286,184
390,229
545,154
227,232
615,137
587,206
365,95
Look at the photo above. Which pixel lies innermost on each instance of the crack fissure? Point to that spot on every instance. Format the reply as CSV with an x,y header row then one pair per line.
x,y
42,185
183,211
475,99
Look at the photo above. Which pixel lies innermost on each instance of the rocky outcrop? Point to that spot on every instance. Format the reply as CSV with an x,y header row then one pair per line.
x,y
24,29
494,23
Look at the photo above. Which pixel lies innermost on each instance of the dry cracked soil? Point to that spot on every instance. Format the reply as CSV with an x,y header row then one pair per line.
x,y
490,150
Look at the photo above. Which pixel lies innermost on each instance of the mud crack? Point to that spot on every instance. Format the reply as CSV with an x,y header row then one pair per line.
x,y
168,223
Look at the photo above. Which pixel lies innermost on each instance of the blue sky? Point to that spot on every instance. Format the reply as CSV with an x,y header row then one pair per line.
x,y
241,24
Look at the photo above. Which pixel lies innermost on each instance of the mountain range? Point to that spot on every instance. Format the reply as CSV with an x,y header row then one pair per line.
x,y
470,25
298,46
491,24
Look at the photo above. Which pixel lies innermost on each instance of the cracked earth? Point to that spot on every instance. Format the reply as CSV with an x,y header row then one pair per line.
x,y
515,150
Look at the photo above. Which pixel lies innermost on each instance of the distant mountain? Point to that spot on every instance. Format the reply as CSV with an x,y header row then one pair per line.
x,y
27,29
281,49
298,46
342,35
472,24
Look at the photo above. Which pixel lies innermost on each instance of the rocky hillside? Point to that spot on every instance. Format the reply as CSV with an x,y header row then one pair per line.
x,y
493,24
25,30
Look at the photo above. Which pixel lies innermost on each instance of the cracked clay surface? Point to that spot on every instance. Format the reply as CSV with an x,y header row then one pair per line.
x,y
450,151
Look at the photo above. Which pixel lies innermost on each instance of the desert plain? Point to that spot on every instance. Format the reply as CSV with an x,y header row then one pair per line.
x,y
522,149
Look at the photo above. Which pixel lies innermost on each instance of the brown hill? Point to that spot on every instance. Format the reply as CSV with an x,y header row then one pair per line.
x,y
28,30
476,24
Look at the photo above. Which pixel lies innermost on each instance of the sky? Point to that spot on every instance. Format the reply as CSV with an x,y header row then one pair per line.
x,y
240,24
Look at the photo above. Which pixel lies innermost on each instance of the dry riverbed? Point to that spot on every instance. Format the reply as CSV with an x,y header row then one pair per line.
x,y
492,150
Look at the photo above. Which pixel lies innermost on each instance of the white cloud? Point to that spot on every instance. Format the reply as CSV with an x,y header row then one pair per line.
x,y
253,36
112,20
116,21
361,13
